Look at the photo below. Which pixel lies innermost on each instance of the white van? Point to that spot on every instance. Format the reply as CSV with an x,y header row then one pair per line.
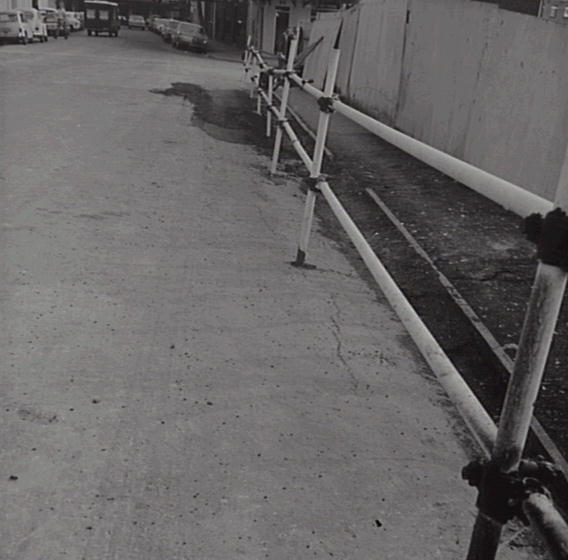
x,y
13,27
35,20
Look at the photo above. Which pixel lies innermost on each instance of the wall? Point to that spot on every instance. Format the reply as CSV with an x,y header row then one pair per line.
x,y
326,26
487,85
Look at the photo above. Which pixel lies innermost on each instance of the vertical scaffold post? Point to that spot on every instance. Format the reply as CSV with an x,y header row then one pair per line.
x,y
270,100
551,235
246,58
258,97
323,124
284,100
252,74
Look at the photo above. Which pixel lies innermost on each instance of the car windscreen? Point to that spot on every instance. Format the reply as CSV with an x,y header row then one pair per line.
x,y
6,18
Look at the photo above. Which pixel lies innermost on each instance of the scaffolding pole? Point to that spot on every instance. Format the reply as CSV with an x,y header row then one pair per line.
x,y
284,101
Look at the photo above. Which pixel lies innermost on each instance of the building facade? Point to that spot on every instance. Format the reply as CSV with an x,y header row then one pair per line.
x,y
269,21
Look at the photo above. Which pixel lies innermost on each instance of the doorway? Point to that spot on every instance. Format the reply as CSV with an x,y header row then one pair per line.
x,y
282,23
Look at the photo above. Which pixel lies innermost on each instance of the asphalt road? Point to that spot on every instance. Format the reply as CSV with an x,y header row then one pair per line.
x,y
171,388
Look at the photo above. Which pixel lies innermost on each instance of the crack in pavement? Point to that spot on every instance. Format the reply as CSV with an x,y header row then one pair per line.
x,y
336,332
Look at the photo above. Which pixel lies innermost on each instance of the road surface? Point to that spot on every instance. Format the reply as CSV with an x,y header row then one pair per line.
x,y
171,388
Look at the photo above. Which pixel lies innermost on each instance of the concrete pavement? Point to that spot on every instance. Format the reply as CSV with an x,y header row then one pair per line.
x,y
172,388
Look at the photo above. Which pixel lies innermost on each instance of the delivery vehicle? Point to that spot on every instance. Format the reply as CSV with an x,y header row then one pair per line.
x,y
36,24
101,17
189,36
13,27
136,21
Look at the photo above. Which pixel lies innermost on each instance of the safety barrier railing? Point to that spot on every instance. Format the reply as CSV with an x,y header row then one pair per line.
x,y
508,485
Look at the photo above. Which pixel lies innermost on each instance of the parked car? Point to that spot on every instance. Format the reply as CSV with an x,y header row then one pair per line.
x,y
159,24
52,25
151,21
190,36
101,17
73,22
13,27
168,29
136,21
36,24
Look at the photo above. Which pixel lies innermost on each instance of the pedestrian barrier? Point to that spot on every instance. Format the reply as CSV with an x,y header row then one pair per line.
x,y
508,485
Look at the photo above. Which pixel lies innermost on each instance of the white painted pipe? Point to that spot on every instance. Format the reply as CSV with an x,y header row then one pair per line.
x,y
258,104
284,103
548,523
471,410
323,124
253,74
295,141
508,195
269,101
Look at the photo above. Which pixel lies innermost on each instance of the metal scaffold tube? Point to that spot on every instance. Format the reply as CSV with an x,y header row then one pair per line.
x,y
287,127
269,101
323,124
548,524
284,102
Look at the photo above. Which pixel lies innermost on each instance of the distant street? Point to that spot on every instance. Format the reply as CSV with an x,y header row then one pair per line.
x,y
171,388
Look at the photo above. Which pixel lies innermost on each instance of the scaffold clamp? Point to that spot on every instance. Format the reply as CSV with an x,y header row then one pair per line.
x,y
326,104
501,494
550,235
314,182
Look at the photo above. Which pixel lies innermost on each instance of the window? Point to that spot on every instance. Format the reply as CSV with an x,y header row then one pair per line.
x,y
6,18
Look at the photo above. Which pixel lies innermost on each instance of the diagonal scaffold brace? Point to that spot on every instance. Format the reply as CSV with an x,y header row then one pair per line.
x,y
326,109
284,100
504,479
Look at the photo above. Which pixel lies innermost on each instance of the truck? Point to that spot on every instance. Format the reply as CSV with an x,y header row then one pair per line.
x,y
101,17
